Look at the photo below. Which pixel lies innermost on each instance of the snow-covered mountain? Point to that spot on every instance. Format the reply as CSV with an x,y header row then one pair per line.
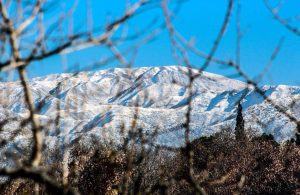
x,y
103,105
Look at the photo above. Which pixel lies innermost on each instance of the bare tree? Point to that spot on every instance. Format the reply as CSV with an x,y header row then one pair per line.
x,y
28,36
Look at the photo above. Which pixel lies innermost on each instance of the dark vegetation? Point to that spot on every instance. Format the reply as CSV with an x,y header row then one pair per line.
x,y
222,165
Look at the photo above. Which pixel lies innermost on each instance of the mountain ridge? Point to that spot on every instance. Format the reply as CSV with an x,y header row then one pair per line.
x,y
102,103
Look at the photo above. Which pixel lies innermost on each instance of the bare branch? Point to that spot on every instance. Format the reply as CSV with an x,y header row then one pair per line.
x,y
30,19
282,21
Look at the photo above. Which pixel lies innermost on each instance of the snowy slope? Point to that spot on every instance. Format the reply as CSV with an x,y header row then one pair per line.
x,y
102,104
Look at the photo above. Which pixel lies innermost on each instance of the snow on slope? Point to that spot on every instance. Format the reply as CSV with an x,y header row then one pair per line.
x,y
99,104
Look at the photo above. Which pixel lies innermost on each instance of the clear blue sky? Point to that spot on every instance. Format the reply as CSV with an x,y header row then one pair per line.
x,y
200,20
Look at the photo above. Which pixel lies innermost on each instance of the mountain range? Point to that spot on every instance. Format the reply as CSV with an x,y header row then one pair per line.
x,y
105,105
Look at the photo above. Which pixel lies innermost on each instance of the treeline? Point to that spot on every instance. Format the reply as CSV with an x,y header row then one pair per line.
x,y
221,164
